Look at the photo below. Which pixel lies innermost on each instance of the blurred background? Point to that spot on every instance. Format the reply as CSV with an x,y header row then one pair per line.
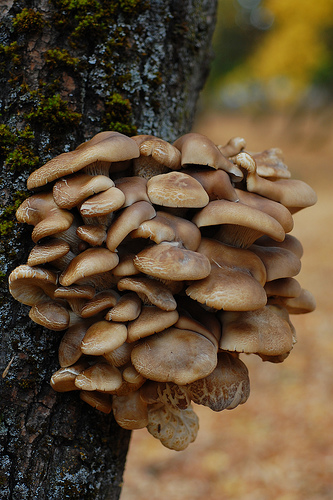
x,y
272,83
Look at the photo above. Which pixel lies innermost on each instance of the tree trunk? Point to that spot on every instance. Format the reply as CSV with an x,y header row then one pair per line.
x,y
69,69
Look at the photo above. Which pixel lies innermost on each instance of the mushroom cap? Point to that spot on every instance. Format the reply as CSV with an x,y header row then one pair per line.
x,y
127,308
105,146
279,262
41,211
134,189
240,224
63,380
99,377
51,315
98,400
102,337
176,189
120,356
31,285
94,235
290,243
235,282
283,287
102,300
150,291
174,355
103,203
47,251
162,151
150,320
260,332
88,263
197,149
73,190
270,164
129,219
169,261
233,147
216,183
129,411
70,346
302,304
225,388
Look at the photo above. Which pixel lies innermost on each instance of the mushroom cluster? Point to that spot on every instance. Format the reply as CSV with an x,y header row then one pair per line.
x,y
162,263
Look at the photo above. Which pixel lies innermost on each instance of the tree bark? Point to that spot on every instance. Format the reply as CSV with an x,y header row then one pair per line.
x,y
69,69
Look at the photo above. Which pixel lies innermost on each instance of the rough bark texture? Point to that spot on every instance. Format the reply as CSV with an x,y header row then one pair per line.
x,y
69,69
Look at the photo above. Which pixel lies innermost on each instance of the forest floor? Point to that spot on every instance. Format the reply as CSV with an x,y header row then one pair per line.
x,y
279,445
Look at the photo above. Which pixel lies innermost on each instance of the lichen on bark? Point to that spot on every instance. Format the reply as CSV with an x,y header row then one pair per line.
x,y
69,69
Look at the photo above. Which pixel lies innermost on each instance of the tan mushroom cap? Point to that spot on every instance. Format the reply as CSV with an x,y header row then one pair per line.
x,y
167,393
120,356
73,190
103,203
129,219
289,243
259,332
169,261
47,251
240,224
130,412
75,292
102,337
150,291
270,163
235,282
31,285
51,315
63,380
197,149
98,400
70,346
176,189
99,377
186,322
41,211
156,156
90,262
94,235
225,388
174,355
101,301
150,320
301,304
279,262
105,146
175,428
270,207
134,189
233,147
216,183
283,287
127,308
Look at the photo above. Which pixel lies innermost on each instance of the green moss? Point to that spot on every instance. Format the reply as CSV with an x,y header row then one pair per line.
x,y
118,115
28,21
16,149
8,219
56,58
10,55
53,114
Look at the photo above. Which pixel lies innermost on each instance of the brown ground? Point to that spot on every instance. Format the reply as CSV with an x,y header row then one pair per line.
x,y
279,445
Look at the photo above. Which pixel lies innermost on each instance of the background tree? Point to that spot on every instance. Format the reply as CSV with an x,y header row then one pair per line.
x,y
69,69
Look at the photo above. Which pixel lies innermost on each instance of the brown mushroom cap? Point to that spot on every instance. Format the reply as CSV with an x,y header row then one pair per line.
x,y
70,346
73,190
174,355
47,251
130,412
197,149
169,261
51,315
105,146
120,356
233,147
129,219
99,377
176,189
260,332
279,262
102,337
156,156
102,300
225,388
63,380
98,400
134,189
94,235
216,183
88,263
236,279
103,203
41,211
283,287
290,243
240,224
31,285
270,164
151,320
301,304
150,291
127,308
